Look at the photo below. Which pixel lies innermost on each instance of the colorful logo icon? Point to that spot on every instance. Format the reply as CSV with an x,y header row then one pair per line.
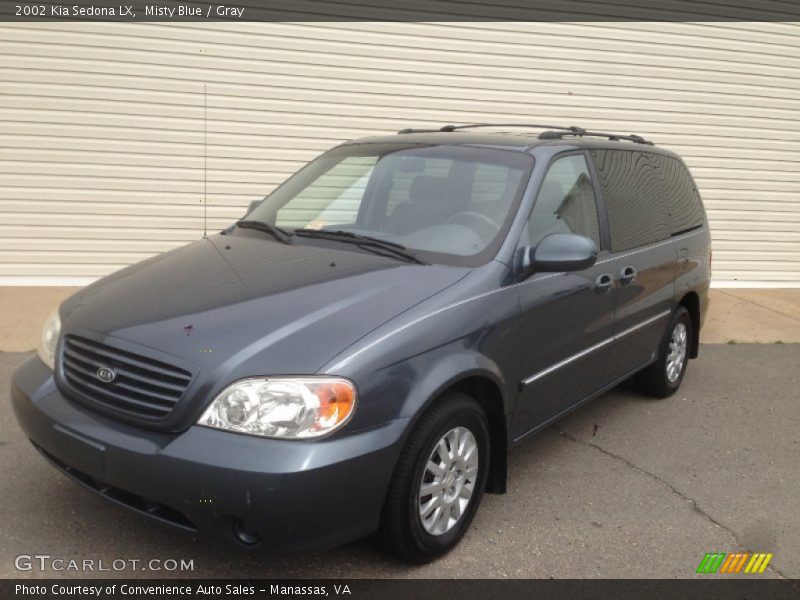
x,y
720,562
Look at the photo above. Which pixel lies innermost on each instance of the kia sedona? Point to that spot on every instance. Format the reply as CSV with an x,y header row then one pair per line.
x,y
358,353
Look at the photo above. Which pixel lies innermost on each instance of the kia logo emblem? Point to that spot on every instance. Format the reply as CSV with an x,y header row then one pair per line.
x,y
106,375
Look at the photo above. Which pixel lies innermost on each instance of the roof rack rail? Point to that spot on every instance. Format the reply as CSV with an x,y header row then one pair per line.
x,y
552,132
579,132
473,126
448,128
409,130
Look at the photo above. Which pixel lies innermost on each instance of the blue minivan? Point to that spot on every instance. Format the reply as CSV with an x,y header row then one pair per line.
x,y
360,351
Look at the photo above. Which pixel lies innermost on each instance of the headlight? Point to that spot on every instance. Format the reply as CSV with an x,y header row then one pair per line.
x,y
49,341
281,407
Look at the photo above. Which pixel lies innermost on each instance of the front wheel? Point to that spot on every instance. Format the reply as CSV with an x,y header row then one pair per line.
x,y
438,481
664,377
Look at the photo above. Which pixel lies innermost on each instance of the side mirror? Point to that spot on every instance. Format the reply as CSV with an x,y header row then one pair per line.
x,y
560,252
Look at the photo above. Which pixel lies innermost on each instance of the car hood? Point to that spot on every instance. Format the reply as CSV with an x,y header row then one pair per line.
x,y
233,306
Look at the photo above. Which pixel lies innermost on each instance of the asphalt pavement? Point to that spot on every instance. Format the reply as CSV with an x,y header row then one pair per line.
x,y
624,487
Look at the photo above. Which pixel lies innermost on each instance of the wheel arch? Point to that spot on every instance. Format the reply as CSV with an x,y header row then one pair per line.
x,y
486,393
691,302
485,387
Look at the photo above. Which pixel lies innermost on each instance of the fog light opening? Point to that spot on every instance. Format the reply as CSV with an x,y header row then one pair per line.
x,y
244,534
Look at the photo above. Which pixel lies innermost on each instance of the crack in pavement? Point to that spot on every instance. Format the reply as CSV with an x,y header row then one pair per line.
x,y
692,502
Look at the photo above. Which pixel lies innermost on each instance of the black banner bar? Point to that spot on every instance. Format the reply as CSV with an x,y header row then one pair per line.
x,y
408,10
418,589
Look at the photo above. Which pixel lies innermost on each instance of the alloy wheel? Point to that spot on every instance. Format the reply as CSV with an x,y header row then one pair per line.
x,y
448,481
677,352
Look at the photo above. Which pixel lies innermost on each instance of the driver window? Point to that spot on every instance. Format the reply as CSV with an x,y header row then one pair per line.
x,y
565,203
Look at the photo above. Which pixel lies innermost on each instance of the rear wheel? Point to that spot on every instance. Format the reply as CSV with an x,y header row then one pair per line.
x,y
664,377
438,481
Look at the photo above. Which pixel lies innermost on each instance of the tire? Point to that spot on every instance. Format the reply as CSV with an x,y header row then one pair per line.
x,y
664,377
403,530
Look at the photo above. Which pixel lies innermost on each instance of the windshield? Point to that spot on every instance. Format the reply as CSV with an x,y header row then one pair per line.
x,y
449,204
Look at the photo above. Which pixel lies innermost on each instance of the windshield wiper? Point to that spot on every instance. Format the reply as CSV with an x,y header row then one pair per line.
x,y
372,244
279,234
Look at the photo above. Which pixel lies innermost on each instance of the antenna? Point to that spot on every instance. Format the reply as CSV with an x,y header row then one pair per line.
x,y
205,162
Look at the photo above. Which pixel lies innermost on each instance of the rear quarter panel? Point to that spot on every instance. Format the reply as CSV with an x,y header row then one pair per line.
x,y
693,271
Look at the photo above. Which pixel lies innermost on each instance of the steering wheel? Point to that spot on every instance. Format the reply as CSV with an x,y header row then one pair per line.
x,y
479,223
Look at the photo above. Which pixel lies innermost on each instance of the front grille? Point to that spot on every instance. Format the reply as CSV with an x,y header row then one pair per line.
x,y
141,387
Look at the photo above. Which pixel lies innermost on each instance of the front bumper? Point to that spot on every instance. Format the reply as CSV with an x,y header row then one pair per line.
x,y
295,495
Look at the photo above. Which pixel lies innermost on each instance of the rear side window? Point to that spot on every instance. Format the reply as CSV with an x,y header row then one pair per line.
x,y
683,201
634,198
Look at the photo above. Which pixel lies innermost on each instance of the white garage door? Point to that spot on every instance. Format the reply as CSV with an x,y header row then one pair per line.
x,y
101,125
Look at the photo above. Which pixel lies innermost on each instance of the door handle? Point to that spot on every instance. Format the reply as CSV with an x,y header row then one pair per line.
x,y
603,283
627,275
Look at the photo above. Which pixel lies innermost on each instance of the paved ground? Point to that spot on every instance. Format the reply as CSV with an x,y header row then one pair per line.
x,y
753,315
625,487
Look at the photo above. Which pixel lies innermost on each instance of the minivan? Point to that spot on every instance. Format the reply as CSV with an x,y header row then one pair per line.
x,y
359,352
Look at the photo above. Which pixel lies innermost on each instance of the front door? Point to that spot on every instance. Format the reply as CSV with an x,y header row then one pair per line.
x,y
566,318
